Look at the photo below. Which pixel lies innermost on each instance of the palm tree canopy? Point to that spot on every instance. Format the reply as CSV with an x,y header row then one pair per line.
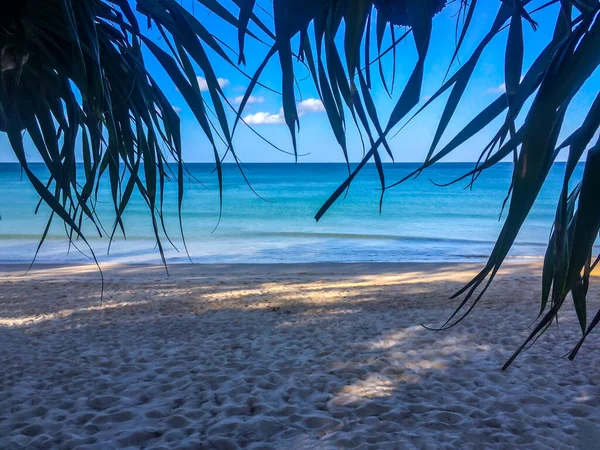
x,y
74,75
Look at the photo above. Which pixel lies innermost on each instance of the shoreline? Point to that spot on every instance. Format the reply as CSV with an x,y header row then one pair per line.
x,y
154,260
184,261
517,261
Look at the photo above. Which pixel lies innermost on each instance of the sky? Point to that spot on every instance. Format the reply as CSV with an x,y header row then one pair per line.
x,y
316,142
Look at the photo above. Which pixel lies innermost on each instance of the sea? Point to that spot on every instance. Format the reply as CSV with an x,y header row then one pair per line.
x,y
274,221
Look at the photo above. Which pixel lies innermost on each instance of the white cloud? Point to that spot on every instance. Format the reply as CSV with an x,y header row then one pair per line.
x,y
265,118
177,109
204,85
251,100
310,105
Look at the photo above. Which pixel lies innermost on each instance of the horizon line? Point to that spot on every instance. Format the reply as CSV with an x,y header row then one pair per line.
x,y
309,162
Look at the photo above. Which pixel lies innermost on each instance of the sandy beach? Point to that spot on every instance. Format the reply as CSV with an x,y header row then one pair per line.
x,y
286,356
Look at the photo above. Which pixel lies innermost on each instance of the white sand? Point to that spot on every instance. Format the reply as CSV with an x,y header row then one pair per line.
x,y
299,356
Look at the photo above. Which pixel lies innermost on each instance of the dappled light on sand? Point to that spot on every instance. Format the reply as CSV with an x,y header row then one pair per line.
x,y
287,356
374,386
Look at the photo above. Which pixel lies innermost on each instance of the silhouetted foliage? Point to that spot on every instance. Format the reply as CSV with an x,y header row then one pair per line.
x,y
73,75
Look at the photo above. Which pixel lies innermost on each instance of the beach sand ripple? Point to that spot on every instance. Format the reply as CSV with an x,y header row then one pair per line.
x,y
300,356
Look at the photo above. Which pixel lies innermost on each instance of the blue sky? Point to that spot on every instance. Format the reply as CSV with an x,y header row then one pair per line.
x,y
316,142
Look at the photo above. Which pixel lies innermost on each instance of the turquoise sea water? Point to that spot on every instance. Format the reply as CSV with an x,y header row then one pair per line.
x,y
419,221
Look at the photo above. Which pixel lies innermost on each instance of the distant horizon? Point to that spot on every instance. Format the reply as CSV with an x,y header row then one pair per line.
x,y
229,163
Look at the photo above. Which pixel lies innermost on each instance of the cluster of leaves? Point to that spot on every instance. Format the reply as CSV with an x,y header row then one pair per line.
x,y
74,70
73,79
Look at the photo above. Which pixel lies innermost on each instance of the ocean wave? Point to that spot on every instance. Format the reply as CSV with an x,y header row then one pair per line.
x,y
243,235
386,237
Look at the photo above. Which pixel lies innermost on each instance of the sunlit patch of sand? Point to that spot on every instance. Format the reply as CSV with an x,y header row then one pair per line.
x,y
64,314
375,386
